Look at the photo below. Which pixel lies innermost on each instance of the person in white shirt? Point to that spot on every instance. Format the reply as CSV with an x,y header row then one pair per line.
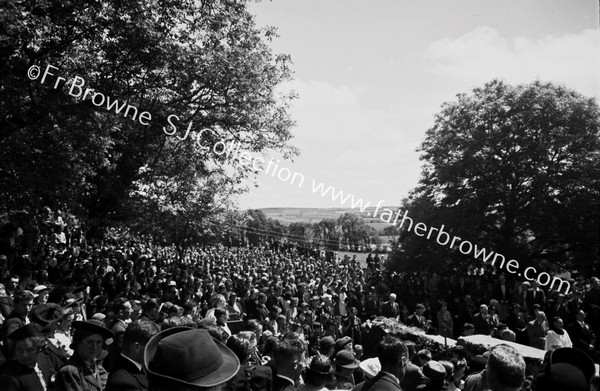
x,y
557,336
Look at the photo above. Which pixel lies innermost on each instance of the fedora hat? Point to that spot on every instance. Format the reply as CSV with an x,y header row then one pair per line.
x,y
189,357
345,359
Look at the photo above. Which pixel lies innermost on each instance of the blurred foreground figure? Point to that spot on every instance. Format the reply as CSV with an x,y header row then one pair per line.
x,y
181,358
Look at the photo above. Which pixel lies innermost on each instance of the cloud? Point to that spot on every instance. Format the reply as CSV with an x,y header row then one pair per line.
x,y
484,54
346,142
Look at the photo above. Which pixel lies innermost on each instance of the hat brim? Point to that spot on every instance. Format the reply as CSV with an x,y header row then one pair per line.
x,y
96,329
225,372
353,365
72,302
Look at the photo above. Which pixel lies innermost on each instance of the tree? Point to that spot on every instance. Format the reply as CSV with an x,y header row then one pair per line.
x,y
328,233
515,169
202,71
300,232
354,230
392,232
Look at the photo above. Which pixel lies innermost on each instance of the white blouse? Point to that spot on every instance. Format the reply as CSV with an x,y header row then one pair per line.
x,y
555,341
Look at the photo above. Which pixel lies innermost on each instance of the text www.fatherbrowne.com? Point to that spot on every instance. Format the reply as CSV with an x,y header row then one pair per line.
x,y
442,237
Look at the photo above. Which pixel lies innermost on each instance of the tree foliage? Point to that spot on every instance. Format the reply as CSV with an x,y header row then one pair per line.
x,y
205,62
515,169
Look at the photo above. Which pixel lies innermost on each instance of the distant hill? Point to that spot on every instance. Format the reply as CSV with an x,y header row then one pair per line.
x,y
286,216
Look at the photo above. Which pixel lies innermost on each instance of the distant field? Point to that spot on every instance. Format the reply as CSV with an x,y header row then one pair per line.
x,y
286,216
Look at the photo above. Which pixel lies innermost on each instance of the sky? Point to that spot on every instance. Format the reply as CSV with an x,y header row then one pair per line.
x,y
371,75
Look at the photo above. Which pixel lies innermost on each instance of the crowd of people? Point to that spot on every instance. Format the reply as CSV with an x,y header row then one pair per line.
x,y
127,314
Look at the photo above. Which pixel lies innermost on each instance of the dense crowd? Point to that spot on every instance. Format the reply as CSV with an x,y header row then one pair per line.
x,y
79,315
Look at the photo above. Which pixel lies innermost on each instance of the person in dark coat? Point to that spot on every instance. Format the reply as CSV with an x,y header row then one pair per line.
x,y
537,330
481,321
417,319
534,296
393,357
249,376
518,323
391,309
84,370
22,304
127,373
581,334
29,370
48,316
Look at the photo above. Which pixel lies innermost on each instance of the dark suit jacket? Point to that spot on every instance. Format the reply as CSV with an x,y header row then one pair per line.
x,y
125,376
498,295
261,378
5,306
390,310
281,384
540,298
463,290
482,325
381,382
413,377
414,321
536,335
581,336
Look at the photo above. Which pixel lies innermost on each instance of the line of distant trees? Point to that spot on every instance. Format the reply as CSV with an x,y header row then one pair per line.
x,y
348,232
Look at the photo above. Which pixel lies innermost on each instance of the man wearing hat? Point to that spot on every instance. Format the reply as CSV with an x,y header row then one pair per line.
x,y
40,294
345,364
181,358
393,356
435,373
344,343
29,370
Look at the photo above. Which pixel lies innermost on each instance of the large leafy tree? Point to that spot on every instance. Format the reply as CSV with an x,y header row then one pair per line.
x,y
515,169
203,61
354,230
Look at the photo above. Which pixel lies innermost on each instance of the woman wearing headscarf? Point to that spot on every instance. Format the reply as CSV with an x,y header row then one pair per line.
x,y
84,370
